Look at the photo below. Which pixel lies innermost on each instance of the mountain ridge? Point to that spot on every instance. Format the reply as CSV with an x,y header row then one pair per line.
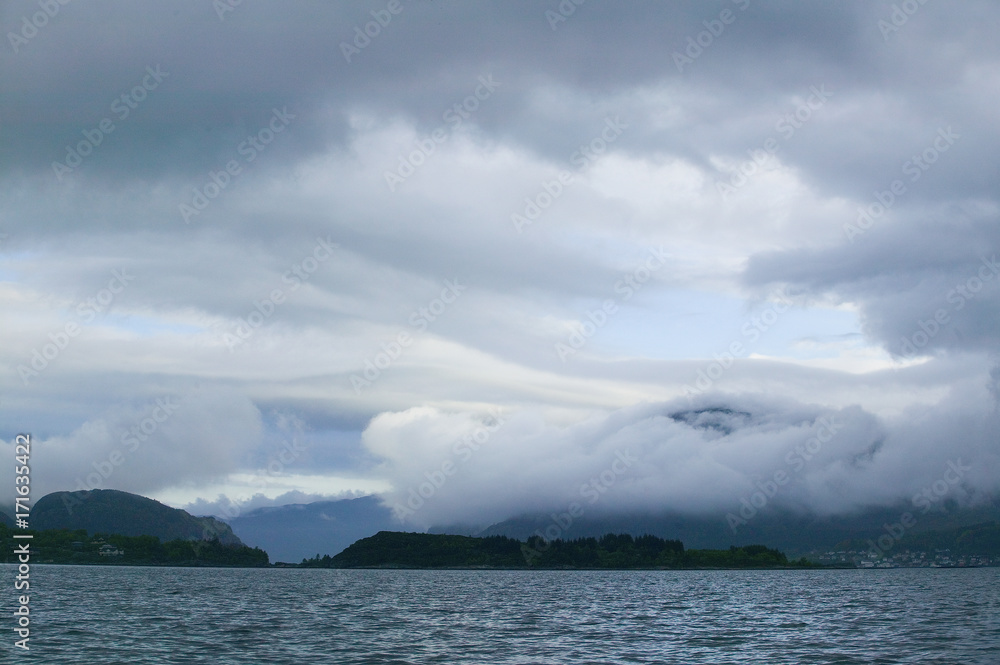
x,y
126,514
293,532
794,533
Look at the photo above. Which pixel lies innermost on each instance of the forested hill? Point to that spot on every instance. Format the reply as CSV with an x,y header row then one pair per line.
x,y
390,549
78,547
113,511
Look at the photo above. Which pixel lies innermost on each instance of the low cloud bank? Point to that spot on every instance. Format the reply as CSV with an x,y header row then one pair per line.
x,y
704,456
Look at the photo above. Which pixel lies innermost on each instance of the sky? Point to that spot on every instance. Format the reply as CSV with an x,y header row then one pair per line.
x,y
486,259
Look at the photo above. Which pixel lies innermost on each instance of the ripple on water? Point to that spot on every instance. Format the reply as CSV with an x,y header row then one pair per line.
x,y
244,617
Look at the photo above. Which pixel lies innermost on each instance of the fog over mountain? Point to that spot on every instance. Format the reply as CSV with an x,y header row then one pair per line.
x,y
489,259
691,459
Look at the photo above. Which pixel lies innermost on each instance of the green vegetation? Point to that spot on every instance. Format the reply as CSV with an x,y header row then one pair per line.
x,y
77,547
388,549
424,550
113,511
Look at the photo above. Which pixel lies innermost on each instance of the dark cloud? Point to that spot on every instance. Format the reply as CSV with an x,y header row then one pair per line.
x,y
931,283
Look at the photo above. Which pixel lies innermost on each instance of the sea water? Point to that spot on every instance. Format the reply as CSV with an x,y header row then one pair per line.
x,y
137,615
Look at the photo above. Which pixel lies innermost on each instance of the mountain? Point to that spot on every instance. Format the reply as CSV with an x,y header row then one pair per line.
x,y
6,520
294,532
794,533
976,539
116,512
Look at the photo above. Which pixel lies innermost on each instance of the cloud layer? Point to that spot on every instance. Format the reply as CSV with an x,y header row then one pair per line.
x,y
384,226
703,458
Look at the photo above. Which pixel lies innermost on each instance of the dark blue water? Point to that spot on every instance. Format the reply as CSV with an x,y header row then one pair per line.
x,y
181,615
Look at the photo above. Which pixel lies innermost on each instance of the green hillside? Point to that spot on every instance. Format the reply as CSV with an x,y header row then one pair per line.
x,y
78,547
122,513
